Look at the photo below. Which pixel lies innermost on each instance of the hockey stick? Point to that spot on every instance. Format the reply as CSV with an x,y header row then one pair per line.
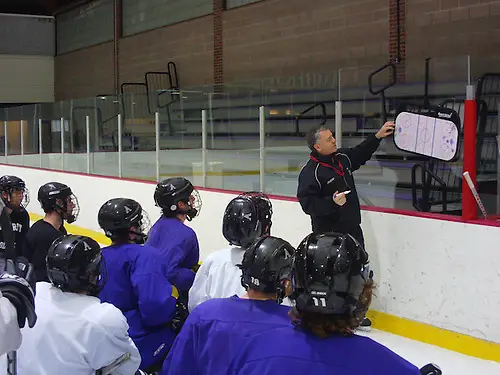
x,y
109,369
475,194
10,267
12,363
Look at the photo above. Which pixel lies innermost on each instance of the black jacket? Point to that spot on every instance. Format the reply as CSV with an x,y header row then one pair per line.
x,y
36,246
318,180
20,224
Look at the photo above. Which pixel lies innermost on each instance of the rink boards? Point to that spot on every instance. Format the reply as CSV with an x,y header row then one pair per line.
x,y
437,277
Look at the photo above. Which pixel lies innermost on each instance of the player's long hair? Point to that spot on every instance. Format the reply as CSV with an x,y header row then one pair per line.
x,y
324,326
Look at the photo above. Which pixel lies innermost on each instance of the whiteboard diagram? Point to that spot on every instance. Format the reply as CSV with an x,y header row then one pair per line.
x,y
446,143
405,135
426,135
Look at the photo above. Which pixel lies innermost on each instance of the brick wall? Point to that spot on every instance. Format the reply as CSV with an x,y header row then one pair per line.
x,y
397,37
448,30
284,38
84,73
218,58
189,44
89,72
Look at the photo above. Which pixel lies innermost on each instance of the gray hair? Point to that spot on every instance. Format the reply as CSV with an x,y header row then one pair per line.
x,y
313,134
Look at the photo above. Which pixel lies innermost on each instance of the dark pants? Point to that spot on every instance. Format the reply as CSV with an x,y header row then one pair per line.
x,y
324,225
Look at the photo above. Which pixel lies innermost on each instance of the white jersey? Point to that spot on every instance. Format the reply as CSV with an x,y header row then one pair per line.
x,y
10,334
219,277
74,334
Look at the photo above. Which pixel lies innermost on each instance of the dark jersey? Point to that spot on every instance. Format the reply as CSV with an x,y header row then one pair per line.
x,y
20,225
37,243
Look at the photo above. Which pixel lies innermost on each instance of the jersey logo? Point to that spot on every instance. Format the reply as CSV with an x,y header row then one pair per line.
x,y
157,351
86,247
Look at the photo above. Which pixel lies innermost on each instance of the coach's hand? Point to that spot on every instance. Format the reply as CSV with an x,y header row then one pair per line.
x,y
385,130
339,198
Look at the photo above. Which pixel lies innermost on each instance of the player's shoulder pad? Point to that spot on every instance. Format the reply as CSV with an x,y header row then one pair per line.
x,y
147,248
191,232
222,256
149,253
212,256
209,310
110,319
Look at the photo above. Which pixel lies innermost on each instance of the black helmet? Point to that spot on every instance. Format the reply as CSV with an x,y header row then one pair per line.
x,y
75,264
330,271
247,217
264,204
124,218
10,184
53,196
266,265
173,190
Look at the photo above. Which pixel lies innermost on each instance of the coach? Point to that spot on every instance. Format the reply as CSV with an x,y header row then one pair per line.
x,y
326,190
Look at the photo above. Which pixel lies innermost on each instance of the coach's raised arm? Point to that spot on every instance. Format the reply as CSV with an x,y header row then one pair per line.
x,y
326,189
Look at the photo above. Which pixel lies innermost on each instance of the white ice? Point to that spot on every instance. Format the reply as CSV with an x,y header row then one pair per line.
x,y
418,353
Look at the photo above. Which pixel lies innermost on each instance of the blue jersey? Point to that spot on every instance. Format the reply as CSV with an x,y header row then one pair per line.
x,y
294,351
179,249
137,285
216,329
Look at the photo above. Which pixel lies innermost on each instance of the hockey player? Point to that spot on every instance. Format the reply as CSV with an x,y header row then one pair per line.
x,y
247,217
333,290
16,294
177,242
227,322
60,205
75,333
15,195
137,283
